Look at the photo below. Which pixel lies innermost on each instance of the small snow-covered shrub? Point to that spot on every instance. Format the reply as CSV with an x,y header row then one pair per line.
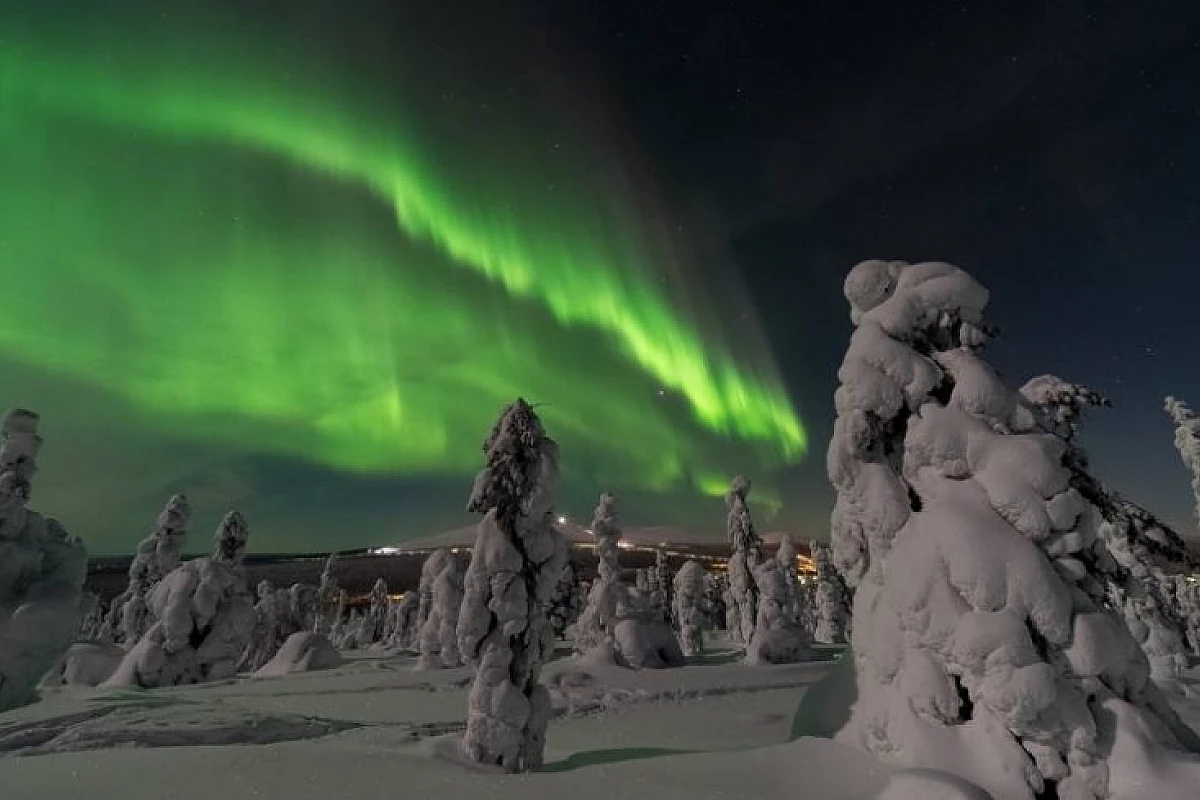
x,y
647,644
515,563
566,603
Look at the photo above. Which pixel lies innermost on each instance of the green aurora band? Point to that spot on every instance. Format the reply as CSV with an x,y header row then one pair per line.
x,y
205,240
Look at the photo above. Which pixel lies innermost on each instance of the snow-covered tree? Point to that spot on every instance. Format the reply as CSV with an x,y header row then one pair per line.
x,y
329,601
829,598
641,581
42,569
566,603
982,639
128,616
203,618
715,587
270,618
375,620
1187,442
432,567
689,600
91,616
778,638
661,589
515,563
1148,551
439,636
598,619
1188,593
343,625
746,547
786,556
402,620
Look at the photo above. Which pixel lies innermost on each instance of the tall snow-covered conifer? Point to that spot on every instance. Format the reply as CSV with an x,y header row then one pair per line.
x,y
515,564
42,570
689,599
598,619
983,644
746,547
1187,442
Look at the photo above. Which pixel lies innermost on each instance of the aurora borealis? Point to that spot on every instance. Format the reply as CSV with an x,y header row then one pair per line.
x,y
263,248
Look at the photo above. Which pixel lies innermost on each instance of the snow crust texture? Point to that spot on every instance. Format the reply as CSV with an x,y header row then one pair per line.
x,y
983,643
42,569
503,630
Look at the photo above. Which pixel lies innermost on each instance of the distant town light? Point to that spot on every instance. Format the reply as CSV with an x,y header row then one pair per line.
x,y
562,520
384,551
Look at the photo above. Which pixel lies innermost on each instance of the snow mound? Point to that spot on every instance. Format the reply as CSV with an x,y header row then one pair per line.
x,y
647,644
85,664
928,784
304,651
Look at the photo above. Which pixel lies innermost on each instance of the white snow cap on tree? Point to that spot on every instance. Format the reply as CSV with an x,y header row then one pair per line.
x,y
689,598
1187,442
439,636
981,640
204,617
746,549
515,564
42,570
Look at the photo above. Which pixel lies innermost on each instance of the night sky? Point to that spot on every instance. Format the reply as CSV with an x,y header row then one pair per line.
x,y
294,257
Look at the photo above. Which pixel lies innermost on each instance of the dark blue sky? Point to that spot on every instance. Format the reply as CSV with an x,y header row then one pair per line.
x,y
1049,149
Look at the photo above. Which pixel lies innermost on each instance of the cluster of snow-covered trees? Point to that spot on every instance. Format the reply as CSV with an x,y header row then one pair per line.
x,y
997,633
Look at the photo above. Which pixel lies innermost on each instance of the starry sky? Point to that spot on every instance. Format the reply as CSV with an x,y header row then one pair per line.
x,y
293,257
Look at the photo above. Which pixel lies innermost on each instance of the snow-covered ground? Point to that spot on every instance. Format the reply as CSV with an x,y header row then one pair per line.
x,y
375,728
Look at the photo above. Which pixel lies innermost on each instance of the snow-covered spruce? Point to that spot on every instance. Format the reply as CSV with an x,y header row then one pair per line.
x,y
713,606
981,640
689,600
204,617
402,620
829,598
42,570
661,590
596,622
1149,553
439,636
778,638
566,603
265,641
746,547
433,565
1187,442
786,556
128,616
370,629
91,616
515,563
327,609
